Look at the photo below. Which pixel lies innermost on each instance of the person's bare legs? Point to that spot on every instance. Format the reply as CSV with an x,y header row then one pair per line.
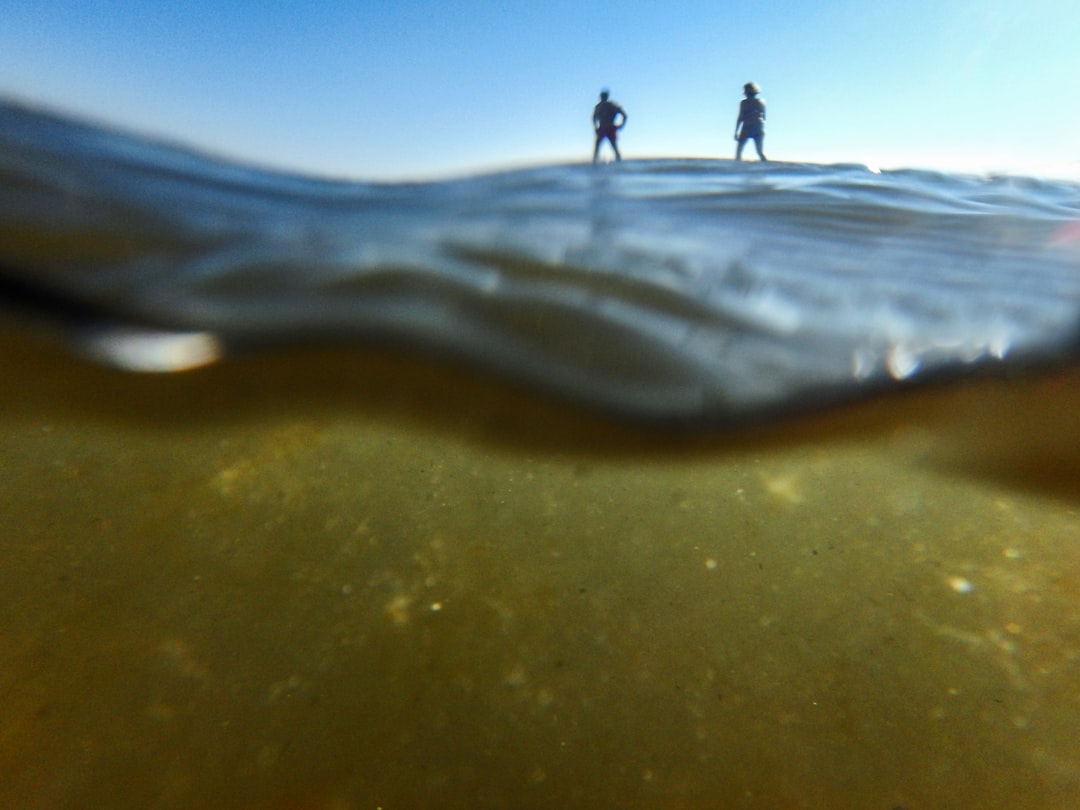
x,y
759,144
614,147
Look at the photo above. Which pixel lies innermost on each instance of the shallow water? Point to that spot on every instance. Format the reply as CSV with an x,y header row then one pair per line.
x,y
360,577
688,292
338,580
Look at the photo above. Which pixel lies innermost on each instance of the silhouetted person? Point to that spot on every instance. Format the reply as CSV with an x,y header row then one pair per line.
x,y
751,123
608,118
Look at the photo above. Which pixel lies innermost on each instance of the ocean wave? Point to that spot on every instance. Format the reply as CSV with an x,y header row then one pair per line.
x,y
696,292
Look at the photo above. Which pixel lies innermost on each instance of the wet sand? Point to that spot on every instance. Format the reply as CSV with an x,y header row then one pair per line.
x,y
339,579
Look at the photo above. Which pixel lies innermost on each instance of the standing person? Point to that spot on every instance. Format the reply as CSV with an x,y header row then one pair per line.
x,y
751,121
606,121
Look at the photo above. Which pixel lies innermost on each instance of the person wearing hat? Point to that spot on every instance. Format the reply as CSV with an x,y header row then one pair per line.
x,y
751,121
606,121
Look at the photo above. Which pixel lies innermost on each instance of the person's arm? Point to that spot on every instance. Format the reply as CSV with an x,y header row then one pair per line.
x,y
625,118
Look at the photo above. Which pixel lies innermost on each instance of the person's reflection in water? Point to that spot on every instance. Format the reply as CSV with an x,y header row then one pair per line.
x,y
608,118
751,121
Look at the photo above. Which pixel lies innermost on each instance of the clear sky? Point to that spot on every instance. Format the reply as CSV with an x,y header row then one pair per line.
x,y
391,89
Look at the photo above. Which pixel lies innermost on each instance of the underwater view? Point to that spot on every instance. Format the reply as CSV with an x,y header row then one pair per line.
x,y
676,484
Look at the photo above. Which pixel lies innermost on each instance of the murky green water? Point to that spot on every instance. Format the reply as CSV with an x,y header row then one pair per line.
x,y
341,580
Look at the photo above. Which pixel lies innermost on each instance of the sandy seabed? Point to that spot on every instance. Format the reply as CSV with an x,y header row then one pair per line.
x,y
332,580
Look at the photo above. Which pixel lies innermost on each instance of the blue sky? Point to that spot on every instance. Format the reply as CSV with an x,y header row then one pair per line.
x,y
378,89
